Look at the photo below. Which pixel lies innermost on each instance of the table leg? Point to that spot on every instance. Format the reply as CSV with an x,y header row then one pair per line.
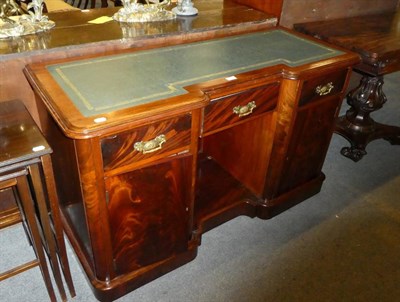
x,y
357,126
55,214
49,240
29,213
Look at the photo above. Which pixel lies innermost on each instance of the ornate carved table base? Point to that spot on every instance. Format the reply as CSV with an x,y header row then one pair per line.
x,y
357,126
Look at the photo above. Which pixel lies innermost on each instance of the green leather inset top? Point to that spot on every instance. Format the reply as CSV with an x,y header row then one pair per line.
x,y
110,83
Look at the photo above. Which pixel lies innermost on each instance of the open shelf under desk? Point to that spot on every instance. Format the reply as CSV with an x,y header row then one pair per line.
x,y
220,197
74,214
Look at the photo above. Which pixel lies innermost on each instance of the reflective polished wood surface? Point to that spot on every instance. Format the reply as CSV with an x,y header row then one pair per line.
x,y
375,37
72,27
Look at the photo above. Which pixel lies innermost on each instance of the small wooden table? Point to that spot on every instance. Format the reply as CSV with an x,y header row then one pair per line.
x,y
23,148
376,39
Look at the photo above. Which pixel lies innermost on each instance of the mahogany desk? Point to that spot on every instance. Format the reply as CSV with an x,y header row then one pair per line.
x,y
376,39
153,148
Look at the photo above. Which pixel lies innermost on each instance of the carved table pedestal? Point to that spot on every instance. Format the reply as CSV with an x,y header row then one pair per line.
x,y
377,40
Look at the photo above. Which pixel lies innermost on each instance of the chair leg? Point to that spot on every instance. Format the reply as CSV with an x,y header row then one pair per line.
x,y
49,241
29,212
58,228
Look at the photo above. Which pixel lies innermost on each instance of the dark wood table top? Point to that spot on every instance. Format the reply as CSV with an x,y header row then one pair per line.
x,y
20,138
375,37
72,29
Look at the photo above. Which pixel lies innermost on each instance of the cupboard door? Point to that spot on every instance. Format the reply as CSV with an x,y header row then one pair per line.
x,y
149,213
311,136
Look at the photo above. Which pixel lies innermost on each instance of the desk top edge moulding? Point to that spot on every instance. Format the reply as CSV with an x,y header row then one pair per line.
x,y
159,153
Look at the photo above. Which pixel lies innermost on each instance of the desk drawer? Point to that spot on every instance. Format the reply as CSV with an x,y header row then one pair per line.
x,y
228,110
324,85
146,143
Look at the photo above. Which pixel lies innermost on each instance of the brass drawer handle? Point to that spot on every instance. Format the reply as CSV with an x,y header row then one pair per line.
x,y
324,89
151,145
244,110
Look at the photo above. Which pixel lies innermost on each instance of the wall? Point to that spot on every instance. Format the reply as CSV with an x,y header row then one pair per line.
x,y
273,7
299,11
